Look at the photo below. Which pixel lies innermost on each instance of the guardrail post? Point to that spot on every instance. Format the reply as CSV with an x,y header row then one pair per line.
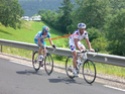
x,y
0,48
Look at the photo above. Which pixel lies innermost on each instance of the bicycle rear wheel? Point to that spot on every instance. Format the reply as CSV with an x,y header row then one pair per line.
x,y
48,64
89,71
35,62
69,67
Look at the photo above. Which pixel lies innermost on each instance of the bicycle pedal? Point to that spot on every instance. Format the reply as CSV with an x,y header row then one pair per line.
x,y
41,63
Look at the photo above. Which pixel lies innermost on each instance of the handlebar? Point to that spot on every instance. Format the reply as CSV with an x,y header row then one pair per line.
x,y
87,50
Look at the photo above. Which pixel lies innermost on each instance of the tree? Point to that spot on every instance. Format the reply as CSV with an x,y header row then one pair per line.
x,y
50,17
92,12
117,5
10,13
94,34
116,34
65,18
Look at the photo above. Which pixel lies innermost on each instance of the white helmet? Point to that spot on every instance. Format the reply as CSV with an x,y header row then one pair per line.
x,y
81,25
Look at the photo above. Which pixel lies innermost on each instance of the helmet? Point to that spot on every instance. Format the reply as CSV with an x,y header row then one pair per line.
x,y
81,25
45,29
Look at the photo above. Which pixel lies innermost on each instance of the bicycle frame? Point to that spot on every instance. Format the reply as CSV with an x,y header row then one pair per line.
x,y
82,56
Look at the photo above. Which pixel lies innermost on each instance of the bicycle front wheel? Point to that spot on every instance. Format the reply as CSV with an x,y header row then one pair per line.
x,y
35,62
89,71
69,67
48,64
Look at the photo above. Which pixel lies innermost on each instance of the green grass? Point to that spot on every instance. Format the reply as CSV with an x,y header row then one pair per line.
x,y
110,69
27,33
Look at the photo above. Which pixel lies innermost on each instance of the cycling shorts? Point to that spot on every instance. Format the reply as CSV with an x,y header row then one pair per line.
x,y
73,47
42,42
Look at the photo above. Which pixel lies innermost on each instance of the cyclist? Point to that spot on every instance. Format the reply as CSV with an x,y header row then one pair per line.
x,y
74,43
39,40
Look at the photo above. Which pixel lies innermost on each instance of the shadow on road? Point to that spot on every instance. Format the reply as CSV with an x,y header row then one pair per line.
x,y
29,72
68,81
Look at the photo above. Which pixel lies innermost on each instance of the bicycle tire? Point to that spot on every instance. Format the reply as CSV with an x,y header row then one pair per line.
x,y
48,65
69,67
89,71
35,62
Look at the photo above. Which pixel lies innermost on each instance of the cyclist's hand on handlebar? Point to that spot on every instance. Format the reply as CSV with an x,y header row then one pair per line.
x,y
54,46
92,50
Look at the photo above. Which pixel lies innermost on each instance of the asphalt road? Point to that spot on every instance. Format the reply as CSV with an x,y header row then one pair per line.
x,y
21,79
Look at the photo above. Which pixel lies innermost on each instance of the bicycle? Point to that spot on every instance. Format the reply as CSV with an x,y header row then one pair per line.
x,y
47,62
88,67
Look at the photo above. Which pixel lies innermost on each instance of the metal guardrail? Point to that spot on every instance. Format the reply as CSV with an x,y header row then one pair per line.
x,y
97,57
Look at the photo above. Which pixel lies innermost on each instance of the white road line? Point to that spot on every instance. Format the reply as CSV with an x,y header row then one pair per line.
x,y
115,88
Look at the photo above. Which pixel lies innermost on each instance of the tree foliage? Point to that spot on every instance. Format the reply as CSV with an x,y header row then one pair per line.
x,y
116,34
93,33
10,13
50,17
65,18
92,12
61,19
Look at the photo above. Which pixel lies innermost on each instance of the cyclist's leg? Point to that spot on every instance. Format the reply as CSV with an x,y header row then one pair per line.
x,y
44,49
81,46
74,54
40,49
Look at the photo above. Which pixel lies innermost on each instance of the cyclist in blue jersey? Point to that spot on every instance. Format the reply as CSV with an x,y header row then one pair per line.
x,y
39,40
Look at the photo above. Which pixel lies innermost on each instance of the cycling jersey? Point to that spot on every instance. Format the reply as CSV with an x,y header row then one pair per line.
x,y
77,35
42,37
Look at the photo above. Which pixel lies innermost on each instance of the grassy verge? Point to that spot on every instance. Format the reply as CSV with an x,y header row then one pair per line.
x,y
28,54
110,70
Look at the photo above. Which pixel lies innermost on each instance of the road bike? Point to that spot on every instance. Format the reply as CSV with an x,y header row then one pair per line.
x,y
47,62
84,64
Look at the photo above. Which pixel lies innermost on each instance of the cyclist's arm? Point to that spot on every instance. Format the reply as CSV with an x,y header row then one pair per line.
x,y
88,43
50,41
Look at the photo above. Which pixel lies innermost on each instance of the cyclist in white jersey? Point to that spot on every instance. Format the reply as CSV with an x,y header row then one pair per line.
x,y
74,43
39,40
